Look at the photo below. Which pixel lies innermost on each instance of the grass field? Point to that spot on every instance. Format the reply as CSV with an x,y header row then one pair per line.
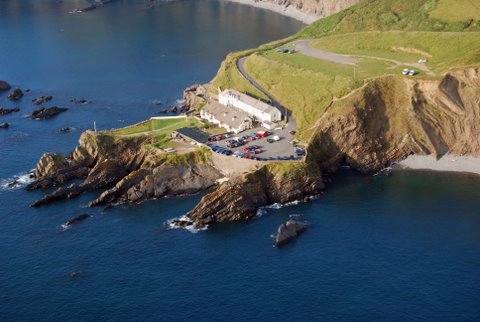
x,y
158,127
456,10
441,49
306,92
159,130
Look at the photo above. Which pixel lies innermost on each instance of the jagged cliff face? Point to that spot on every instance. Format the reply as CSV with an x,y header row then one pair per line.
x,y
319,8
393,117
240,198
125,169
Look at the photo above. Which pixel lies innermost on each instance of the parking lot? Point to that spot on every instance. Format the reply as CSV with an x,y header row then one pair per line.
x,y
278,150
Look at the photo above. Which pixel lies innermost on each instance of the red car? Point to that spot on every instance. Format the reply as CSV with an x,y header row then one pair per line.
x,y
246,149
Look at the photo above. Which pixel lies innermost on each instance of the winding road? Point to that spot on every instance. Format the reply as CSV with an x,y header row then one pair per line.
x,y
291,125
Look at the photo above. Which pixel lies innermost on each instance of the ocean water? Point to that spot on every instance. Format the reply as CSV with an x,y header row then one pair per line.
x,y
393,247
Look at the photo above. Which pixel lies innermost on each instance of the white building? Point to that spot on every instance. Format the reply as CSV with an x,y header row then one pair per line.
x,y
231,119
261,111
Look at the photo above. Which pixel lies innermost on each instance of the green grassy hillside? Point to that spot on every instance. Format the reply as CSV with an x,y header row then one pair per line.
x,y
384,36
408,15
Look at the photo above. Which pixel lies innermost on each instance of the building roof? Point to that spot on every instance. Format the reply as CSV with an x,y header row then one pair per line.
x,y
194,134
227,115
256,103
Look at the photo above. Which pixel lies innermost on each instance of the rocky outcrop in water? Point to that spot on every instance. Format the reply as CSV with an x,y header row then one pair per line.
x,y
42,99
15,95
240,198
80,101
4,86
46,113
4,125
76,220
127,170
6,111
289,230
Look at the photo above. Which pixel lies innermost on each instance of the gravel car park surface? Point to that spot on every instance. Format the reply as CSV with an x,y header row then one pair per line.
x,y
273,150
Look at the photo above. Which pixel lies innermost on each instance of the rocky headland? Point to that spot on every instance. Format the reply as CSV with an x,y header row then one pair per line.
x,y
383,122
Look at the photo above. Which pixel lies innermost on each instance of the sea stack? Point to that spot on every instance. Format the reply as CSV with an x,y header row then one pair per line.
x,y
289,230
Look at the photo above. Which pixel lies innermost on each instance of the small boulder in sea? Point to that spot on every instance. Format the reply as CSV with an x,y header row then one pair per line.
x,y
6,111
42,99
64,130
4,125
173,109
289,230
15,95
4,86
46,113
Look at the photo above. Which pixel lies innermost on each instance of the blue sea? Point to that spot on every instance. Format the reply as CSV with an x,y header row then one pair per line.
x,y
398,246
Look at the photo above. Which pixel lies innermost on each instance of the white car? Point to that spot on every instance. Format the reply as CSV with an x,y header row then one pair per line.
x,y
405,71
422,60
276,138
412,72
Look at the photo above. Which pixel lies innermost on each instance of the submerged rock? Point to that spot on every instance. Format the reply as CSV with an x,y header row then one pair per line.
x,y
42,99
46,113
64,130
16,94
75,220
80,101
4,125
289,230
4,86
6,111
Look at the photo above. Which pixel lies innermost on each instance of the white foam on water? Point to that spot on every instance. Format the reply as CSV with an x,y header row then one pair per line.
x,y
17,182
261,211
275,206
171,225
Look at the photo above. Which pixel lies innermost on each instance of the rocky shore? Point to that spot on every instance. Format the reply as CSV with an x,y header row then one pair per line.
x,y
303,10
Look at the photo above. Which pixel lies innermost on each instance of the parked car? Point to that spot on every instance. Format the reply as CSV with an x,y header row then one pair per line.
x,y
405,71
292,132
276,138
270,140
412,72
299,152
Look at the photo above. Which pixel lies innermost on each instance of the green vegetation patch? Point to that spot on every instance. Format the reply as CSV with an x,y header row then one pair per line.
x,y
156,127
383,15
443,50
456,10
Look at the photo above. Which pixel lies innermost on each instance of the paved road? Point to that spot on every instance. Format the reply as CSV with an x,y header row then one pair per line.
x,y
291,125
303,46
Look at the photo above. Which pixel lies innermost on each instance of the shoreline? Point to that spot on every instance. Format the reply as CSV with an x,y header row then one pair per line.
x,y
289,11
447,163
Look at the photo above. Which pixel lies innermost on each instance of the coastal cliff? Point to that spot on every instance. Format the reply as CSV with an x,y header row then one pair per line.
x,y
392,117
124,169
239,198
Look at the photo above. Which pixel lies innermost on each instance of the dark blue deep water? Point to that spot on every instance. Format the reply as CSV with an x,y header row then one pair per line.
x,y
403,246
